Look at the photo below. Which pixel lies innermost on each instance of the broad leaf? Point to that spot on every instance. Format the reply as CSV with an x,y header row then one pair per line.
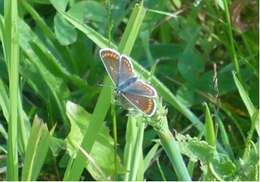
x,y
195,149
223,166
102,150
64,31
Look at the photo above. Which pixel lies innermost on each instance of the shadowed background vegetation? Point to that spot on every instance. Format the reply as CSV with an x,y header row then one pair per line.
x,y
57,111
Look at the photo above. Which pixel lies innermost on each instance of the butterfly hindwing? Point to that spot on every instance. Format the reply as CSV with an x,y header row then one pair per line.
x,y
146,104
141,88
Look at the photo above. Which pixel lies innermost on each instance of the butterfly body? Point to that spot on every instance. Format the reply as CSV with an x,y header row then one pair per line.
x,y
128,86
122,87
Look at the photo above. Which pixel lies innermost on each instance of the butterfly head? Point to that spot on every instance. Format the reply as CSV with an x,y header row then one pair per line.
x,y
117,91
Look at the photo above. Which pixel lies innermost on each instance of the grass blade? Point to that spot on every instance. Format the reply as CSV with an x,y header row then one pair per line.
x,y
36,151
132,30
113,114
225,139
73,172
244,95
256,121
22,130
231,39
150,156
4,100
2,37
24,127
253,113
137,151
35,55
12,55
91,160
209,127
130,137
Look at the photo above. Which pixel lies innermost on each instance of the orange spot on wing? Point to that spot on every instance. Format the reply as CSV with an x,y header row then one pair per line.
x,y
149,107
110,56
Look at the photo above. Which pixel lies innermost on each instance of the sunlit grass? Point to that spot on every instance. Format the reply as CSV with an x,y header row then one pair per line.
x,y
11,45
61,125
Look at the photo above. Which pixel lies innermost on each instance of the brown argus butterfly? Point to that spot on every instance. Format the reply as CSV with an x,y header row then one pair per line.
x,y
138,93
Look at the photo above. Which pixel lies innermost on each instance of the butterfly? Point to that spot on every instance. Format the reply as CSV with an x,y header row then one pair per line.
x,y
127,85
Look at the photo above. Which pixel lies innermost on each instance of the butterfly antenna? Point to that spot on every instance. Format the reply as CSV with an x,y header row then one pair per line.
x,y
110,24
153,69
103,85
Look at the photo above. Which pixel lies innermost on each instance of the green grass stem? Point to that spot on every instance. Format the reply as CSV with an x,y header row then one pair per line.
x,y
160,124
231,38
113,114
12,49
129,146
136,157
172,150
170,145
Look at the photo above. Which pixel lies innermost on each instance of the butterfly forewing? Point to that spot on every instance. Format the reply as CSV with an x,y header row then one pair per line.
x,y
146,104
110,59
125,69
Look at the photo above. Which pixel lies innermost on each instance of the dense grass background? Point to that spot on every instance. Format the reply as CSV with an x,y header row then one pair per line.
x,y
57,122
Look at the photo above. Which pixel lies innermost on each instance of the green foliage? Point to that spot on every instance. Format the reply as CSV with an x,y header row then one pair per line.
x,y
200,56
249,166
249,105
11,48
65,33
77,165
217,165
209,127
102,149
37,148
195,149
